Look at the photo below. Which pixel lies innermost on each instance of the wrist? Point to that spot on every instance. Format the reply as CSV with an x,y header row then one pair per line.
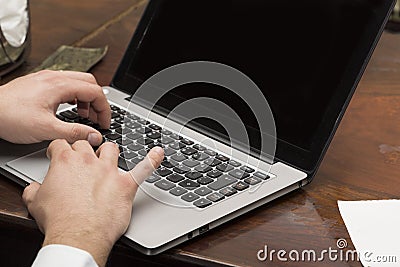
x,y
99,248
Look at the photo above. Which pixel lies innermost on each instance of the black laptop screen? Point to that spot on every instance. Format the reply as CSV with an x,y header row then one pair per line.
x,y
297,52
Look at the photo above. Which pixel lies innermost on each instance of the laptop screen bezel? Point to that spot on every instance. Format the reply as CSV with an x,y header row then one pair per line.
x,y
306,160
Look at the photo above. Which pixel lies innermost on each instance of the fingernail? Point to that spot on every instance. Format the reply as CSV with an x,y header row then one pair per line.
x,y
159,151
94,139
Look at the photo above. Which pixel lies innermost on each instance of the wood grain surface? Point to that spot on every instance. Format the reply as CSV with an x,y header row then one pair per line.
x,y
361,163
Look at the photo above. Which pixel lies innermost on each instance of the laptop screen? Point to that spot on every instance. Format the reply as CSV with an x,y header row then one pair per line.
x,y
305,56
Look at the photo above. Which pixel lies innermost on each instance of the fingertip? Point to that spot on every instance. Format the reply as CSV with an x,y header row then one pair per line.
x,y
156,156
95,138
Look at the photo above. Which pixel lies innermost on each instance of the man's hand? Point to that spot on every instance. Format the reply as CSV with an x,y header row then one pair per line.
x,y
28,106
84,201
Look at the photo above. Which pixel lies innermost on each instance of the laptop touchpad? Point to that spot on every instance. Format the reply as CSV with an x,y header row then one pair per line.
x,y
34,165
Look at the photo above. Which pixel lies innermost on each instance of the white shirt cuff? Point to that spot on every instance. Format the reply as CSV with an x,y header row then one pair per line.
x,y
63,256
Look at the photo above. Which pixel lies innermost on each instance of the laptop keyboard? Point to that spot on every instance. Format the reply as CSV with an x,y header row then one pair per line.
x,y
189,171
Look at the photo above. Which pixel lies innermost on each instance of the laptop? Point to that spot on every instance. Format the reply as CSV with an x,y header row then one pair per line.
x,y
305,58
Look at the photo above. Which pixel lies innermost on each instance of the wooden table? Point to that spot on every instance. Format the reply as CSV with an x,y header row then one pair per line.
x,y
354,167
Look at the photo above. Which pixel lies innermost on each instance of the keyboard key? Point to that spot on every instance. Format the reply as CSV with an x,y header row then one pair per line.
x,y
135,147
239,174
133,136
234,163
212,162
69,114
132,125
189,184
153,178
124,164
214,174
164,185
144,141
188,151
189,197
187,141
176,145
154,135
114,108
143,130
179,157
193,175
128,155
214,197
252,180
169,164
205,180
120,120
262,175
137,159
222,182
221,157
169,151
200,156
191,163
210,152
142,152
199,147
122,112
224,167
132,117
240,186
175,178
115,115
104,131
202,203
228,191
166,132
154,127
163,172
166,140
150,146
113,136
247,169
121,130
115,125
181,169
178,191
203,168
203,191
175,136
124,141
143,121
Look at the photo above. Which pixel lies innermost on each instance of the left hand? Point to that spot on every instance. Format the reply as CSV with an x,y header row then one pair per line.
x,y
28,106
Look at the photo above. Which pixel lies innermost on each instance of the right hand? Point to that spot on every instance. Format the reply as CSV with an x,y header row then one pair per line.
x,y
85,201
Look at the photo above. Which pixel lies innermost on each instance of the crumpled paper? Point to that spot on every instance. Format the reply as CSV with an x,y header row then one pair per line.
x,y
14,21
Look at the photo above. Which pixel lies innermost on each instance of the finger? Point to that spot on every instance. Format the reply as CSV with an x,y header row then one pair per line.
x,y
93,115
56,147
83,76
108,152
83,109
146,167
82,145
29,193
73,132
89,93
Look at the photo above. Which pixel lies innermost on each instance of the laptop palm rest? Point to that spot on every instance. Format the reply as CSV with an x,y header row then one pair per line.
x,y
34,165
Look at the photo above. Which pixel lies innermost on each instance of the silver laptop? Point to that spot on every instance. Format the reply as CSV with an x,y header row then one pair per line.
x,y
193,80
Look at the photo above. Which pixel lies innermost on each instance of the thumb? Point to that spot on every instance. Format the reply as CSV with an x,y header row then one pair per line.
x,y
146,167
73,132
29,193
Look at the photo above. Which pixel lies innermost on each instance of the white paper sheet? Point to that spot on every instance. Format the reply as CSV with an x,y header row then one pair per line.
x,y
14,21
374,228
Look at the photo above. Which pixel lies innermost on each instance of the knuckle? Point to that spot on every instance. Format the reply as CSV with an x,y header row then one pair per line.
x,y
75,132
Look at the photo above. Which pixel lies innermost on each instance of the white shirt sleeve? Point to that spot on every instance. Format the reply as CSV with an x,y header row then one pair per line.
x,y
63,256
